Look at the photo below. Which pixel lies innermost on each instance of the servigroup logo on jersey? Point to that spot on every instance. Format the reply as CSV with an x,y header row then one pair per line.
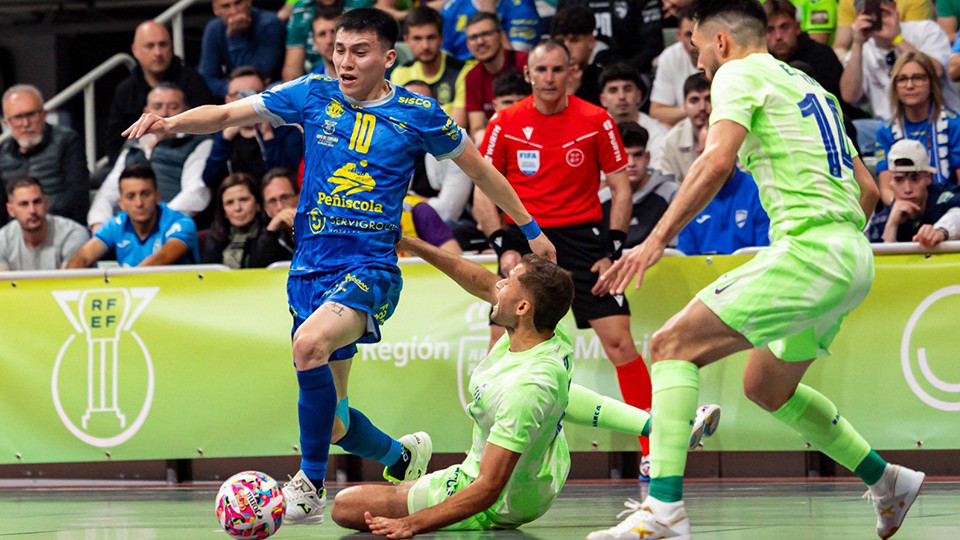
x,y
102,392
933,319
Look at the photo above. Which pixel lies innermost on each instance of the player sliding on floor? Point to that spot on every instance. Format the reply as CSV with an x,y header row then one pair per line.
x,y
363,136
518,461
786,305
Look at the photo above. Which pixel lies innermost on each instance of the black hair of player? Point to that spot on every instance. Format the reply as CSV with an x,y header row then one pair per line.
x,y
695,83
633,135
575,20
551,288
371,20
620,71
481,16
140,171
510,82
420,16
746,18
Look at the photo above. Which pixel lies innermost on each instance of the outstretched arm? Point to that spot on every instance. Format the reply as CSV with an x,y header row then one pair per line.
x,y
200,120
499,190
704,179
869,192
496,466
472,277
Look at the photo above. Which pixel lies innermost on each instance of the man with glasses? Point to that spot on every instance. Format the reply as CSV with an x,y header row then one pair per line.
x,y
866,76
281,194
51,154
485,39
922,211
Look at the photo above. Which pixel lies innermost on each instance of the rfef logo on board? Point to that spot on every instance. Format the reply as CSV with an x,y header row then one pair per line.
x,y
103,381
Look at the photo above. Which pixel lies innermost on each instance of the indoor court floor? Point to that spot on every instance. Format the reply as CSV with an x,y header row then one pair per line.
x,y
728,510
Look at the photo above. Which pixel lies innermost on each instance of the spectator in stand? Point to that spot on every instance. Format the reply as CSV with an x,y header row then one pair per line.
x,y
35,240
552,148
441,184
922,211
679,145
178,160
508,88
252,150
302,54
485,39
866,75
420,220
919,114
634,25
621,94
947,16
675,65
240,35
280,199
732,220
153,49
818,18
146,232
519,19
788,43
237,223
848,11
588,55
651,193
51,154
423,33
324,37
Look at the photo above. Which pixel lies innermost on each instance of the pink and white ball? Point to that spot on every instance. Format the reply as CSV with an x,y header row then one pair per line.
x,y
250,505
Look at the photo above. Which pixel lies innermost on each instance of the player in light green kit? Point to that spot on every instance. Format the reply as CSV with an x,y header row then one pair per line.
x,y
786,305
519,460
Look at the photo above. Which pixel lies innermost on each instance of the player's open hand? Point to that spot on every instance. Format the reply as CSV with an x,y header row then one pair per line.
x,y
633,263
148,123
391,528
542,246
601,268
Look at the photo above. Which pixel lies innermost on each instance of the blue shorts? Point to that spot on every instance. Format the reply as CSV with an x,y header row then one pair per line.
x,y
374,290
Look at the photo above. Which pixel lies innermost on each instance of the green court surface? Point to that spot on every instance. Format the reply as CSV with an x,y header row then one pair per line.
x,y
719,510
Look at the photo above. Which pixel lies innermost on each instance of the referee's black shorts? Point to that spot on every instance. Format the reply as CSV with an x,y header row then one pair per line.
x,y
578,248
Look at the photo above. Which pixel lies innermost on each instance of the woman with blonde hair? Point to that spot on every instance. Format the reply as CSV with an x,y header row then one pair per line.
x,y
919,113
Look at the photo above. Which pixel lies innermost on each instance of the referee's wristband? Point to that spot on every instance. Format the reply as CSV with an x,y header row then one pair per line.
x,y
615,241
531,230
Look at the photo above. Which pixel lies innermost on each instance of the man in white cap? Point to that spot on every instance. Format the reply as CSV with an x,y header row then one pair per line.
x,y
922,211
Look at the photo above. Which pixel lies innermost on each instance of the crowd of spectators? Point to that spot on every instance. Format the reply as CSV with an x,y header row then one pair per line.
x,y
893,73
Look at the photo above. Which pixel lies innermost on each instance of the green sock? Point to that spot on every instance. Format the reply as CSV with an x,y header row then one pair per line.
x,y
816,419
588,408
675,392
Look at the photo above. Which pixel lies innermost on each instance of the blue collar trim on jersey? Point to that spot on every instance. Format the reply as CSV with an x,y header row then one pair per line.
x,y
375,102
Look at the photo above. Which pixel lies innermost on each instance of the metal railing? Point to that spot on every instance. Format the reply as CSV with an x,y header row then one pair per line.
x,y
173,15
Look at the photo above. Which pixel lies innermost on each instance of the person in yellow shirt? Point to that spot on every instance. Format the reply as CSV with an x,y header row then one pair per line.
x,y
847,10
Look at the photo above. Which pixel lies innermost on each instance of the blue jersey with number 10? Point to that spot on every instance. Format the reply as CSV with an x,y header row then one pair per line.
x,y
359,157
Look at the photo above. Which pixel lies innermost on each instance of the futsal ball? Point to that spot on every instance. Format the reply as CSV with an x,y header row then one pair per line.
x,y
250,505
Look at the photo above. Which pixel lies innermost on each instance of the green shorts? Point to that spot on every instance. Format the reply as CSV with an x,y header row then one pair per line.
x,y
436,487
793,295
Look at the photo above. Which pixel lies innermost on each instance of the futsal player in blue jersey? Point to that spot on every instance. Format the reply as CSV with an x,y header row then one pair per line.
x,y
362,137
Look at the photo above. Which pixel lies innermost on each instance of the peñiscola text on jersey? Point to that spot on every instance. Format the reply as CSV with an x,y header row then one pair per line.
x,y
796,147
358,159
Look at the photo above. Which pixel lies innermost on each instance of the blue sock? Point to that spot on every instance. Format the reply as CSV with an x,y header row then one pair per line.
x,y
316,408
367,441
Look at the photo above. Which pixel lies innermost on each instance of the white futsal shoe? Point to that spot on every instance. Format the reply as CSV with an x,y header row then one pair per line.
x,y
892,497
420,448
705,424
304,505
650,520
